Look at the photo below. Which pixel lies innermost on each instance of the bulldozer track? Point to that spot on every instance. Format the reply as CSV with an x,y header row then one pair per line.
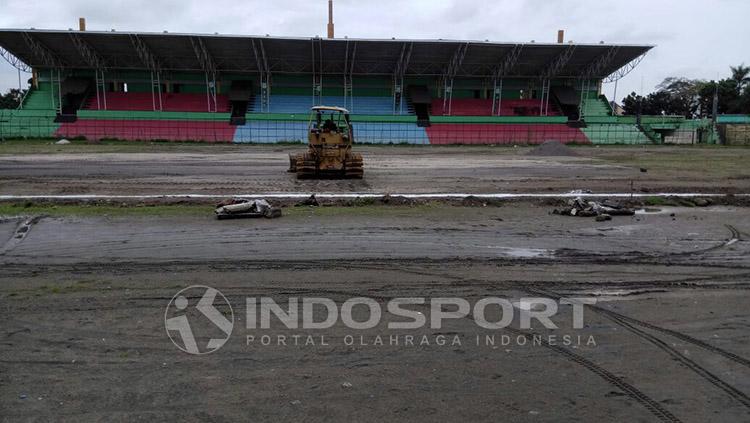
x,y
306,167
353,166
630,324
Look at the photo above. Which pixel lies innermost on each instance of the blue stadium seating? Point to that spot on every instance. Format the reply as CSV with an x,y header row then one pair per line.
x,y
361,105
270,131
389,133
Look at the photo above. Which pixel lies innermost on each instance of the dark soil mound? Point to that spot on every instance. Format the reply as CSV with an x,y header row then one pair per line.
x,y
552,148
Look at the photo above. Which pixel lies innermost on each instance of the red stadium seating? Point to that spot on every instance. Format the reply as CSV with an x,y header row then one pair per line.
x,y
170,130
463,107
471,133
483,107
170,102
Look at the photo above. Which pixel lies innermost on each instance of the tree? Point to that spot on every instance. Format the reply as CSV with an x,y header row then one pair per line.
x,y
741,76
674,96
681,96
630,104
695,98
11,99
728,100
661,103
745,101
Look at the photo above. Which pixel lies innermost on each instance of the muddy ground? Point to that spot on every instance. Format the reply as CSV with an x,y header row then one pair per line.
x,y
84,290
225,170
83,300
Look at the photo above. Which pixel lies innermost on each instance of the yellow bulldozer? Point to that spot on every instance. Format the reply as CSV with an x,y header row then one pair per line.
x,y
329,149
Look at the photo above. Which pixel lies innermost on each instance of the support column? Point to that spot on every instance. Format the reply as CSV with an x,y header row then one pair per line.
x,y
545,93
450,74
211,93
349,76
497,96
264,73
156,91
101,90
317,66
398,78
56,89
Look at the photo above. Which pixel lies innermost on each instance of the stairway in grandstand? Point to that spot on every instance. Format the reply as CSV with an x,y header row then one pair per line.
x,y
615,133
240,97
38,100
419,100
595,106
604,128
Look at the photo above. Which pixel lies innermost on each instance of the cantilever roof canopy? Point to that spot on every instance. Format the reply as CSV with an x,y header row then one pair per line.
x,y
253,54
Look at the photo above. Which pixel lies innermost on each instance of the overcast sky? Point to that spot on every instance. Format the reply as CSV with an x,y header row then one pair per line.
x,y
695,39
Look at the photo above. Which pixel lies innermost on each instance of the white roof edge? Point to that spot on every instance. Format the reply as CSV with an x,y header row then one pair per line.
x,y
394,40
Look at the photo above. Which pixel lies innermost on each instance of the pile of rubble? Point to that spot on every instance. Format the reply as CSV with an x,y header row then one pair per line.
x,y
244,207
587,208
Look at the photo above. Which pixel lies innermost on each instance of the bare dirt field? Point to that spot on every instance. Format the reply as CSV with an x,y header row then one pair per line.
x,y
227,170
85,289
83,300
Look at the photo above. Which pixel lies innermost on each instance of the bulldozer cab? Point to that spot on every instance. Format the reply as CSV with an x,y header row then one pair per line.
x,y
330,126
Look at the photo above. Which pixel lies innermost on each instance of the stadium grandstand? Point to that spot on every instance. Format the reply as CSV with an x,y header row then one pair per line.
x,y
249,89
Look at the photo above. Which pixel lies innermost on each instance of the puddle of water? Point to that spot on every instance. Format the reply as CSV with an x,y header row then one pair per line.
x,y
519,252
667,210
526,252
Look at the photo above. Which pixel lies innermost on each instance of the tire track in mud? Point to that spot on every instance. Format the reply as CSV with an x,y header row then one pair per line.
x,y
734,237
630,324
22,230
647,258
631,391
679,335
20,268
654,407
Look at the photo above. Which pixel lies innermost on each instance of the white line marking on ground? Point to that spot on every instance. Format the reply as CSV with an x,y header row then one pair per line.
x,y
333,196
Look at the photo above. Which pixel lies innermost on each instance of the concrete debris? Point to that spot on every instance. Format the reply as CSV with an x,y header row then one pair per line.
x,y
396,200
472,201
346,385
702,202
63,142
243,207
310,201
603,211
603,217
